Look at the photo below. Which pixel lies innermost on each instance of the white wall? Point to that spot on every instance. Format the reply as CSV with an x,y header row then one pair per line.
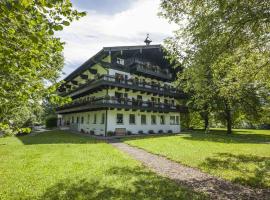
x,y
112,72
135,128
87,125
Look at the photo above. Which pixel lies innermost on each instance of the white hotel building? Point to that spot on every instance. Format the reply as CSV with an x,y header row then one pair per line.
x,y
122,90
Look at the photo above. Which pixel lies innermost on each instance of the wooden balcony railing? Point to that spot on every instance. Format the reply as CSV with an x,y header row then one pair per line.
x,y
126,103
125,83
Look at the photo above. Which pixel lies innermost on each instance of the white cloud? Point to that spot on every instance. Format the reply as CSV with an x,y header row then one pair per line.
x,y
87,36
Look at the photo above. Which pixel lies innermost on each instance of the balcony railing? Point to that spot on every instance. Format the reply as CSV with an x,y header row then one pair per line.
x,y
127,103
125,83
145,67
153,71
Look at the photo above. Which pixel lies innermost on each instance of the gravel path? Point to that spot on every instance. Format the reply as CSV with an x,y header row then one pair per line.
x,y
192,178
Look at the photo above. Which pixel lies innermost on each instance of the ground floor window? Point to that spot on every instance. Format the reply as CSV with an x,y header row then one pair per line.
x,y
172,120
88,119
72,120
82,120
177,120
102,118
153,119
162,119
95,119
78,120
143,119
119,118
131,119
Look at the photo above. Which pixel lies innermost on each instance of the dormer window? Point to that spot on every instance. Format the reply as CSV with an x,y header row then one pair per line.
x,y
120,61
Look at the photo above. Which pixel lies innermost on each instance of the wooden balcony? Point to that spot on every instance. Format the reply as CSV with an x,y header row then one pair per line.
x,y
112,81
119,103
145,68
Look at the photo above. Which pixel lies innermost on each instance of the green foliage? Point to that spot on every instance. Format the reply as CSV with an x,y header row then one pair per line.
x,y
191,120
31,56
51,122
223,50
110,133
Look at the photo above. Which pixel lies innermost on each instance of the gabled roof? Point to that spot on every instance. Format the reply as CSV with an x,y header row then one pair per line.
x,y
103,53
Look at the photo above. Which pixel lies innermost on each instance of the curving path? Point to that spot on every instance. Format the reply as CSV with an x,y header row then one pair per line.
x,y
192,178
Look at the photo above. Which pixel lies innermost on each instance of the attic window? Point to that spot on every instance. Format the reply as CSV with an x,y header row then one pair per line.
x,y
120,61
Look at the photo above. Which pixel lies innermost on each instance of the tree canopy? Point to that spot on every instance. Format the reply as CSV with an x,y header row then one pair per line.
x,y
223,48
31,55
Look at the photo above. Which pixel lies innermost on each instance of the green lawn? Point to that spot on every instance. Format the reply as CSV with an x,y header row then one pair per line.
x,y
59,165
243,157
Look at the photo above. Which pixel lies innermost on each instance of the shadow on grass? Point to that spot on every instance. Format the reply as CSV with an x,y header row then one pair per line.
x,y
57,137
249,169
124,183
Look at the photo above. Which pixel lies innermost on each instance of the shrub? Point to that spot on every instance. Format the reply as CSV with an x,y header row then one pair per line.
x,y
51,122
110,133
129,132
140,132
23,131
160,131
92,132
170,131
151,132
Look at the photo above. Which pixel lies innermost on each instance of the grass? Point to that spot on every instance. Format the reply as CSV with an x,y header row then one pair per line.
x,y
59,165
243,157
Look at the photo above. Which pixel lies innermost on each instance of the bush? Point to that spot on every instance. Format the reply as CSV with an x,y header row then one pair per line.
x,y
129,132
92,132
160,131
23,131
110,133
140,132
151,132
51,122
170,131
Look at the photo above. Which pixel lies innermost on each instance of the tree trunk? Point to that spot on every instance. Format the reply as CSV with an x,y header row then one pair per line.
x,y
205,117
228,118
206,122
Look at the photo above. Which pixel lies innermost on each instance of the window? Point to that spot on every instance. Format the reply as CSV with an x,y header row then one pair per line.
x,y
153,119
95,119
132,119
120,61
143,119
102,118
119,118
139,97
82,120
172,120
88,119
78,121
177,120
162,119
72,119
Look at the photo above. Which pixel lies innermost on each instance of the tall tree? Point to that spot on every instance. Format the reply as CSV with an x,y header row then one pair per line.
x,y
230,39
31,56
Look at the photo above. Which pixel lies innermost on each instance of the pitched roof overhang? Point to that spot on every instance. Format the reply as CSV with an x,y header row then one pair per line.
x,y
105,51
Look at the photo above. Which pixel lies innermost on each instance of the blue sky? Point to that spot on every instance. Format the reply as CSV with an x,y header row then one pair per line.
x,y
111,23
103,6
